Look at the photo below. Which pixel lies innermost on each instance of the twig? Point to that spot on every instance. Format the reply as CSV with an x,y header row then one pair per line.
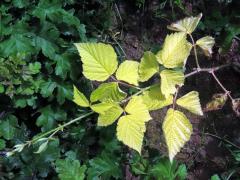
x,y
124,84
195,51
175,97
209,70
221,85
222,139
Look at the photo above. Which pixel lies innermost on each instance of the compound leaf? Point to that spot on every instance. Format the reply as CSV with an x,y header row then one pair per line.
x,y
79,98
187,25
175,50
99,60
148,66
154,99
138,108
169,80
177,131
130,130
108,91
191,102
128,72
206,43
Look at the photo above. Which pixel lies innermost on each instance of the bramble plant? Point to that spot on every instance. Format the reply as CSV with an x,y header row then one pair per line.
x,y
131,111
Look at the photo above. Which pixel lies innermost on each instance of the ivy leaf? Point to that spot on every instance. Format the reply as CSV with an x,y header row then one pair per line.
x,y
130,130
108,91
169,80
104,167
154,99
138,108
177,131
187,25
191,102
128,72
148,66
175,50
206,43
70,169
99,60
79,98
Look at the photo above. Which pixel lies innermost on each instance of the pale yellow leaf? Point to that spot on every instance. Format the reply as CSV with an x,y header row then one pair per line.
x,y
108,91
187,25
110,116
102,107
79,98
130,130
175,50
148,66
99,60
191,102
128,72
177,131
169,80
206,43
154,99
138,108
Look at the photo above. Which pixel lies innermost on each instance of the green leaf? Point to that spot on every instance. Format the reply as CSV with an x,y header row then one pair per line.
x,y
79,98
17,43
35,67
99,60
130,130
177,131
169,80
49,117
69,169
187,25
175,50
2,88
191,102
42,147
215,177
47,47
206,43
154,99
138,108
8,127
148,66
104,167
2,144
128,72
108,91
62,66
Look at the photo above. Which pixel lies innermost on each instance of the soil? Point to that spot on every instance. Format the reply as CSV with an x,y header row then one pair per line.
x,y
207,153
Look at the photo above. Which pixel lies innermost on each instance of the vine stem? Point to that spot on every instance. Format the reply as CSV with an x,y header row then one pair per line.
x,y
61,127
222,139
195,51
124,84
221,85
